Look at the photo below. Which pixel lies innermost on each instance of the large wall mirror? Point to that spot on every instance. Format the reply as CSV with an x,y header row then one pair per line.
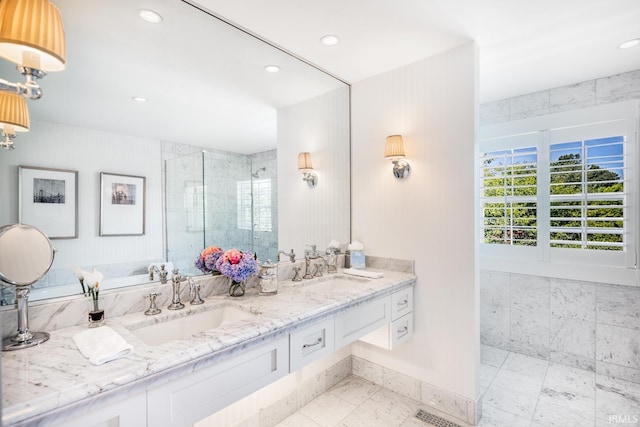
x,y
216,139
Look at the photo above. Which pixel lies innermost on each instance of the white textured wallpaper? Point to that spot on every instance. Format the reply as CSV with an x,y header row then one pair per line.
x,y
314,215
89,152
428,217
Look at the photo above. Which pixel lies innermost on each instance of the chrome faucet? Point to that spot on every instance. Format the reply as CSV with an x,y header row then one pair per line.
x,y
162,273
291,255
176,280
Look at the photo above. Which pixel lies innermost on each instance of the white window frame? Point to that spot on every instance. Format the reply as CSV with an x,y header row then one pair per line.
x,y
590,265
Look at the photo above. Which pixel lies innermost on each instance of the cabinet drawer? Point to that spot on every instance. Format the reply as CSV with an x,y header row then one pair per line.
x,y
310,343
357,322
401,330
401,303
189,399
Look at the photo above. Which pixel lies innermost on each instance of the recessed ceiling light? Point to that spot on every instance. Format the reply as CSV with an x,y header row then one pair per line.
x,y
150,16
629,43
139,99
330,40
271,68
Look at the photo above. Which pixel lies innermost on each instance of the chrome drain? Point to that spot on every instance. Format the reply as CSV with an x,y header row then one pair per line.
x,y
434,419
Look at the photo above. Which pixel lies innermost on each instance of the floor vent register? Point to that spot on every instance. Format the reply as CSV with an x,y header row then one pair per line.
x,y
434,419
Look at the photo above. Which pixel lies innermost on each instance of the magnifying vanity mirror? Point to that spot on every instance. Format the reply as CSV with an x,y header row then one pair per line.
x,y
188,104
26,256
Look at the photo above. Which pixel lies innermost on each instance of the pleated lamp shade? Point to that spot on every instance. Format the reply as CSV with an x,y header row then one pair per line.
x,y
304,162
394,148
32,35
14,114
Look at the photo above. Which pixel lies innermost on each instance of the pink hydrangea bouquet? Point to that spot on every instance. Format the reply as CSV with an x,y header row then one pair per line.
x,y
208,258
237,265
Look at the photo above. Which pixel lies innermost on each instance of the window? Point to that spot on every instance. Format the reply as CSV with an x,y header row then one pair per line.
x,y
587,194
509,196
560,189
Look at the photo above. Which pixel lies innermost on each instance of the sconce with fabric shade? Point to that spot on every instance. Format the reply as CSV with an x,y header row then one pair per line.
x,y
306,167
14,117
32,34
394,150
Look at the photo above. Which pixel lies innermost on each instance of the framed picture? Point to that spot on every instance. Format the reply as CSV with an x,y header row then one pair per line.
x,y
48,200
122,205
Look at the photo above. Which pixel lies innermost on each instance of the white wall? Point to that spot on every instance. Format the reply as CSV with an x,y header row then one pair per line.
x,y
430,216
89,152
314,215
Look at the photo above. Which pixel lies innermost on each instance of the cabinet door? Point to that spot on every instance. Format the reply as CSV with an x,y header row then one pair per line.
x,y
189,399
310,343
357,322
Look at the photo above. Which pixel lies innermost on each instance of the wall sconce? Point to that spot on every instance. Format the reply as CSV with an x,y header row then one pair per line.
x,y
14,117
394,150
31,36
306,167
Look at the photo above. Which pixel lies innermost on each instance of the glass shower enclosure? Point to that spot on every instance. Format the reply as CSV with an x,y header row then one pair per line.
x,y
223,199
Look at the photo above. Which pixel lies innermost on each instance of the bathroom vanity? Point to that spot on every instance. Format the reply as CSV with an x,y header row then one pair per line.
x,y
190,363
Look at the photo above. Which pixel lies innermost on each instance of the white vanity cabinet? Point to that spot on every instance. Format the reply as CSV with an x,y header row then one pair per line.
x,y
400,329
311,343
187,400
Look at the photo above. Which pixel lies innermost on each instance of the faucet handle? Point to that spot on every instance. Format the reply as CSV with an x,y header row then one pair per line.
x,y
153,308
296,275
194,291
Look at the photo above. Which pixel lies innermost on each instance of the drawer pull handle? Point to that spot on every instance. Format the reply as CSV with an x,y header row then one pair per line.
x,y
401,303
318,341
403,331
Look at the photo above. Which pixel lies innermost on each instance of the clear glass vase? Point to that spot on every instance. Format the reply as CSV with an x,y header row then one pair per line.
x,y
96,314
236,289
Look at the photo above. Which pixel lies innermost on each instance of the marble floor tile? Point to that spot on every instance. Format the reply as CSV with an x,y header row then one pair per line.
x,y
567,397
617,398
298,420
327,410
564,409
565,379
354,390
487,374
413,422
390,405
519,382
493,417
492,356
527,365
513,402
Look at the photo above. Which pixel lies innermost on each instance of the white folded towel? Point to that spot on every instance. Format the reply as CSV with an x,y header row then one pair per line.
x,y
364,273
101,345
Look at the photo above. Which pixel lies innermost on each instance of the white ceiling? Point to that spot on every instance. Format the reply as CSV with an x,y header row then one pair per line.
x,y
524,46
204,80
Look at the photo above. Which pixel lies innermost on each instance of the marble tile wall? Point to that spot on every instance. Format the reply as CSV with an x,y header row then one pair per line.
x,y
604,90
585,325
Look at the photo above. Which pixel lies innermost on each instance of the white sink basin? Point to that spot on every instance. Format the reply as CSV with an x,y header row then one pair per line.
x,y
187,326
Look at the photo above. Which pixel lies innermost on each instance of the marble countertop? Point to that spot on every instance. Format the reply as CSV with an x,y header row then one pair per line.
x,y
55,376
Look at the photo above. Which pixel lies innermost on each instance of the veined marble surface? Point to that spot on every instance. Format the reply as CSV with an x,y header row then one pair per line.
x,y
42,380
